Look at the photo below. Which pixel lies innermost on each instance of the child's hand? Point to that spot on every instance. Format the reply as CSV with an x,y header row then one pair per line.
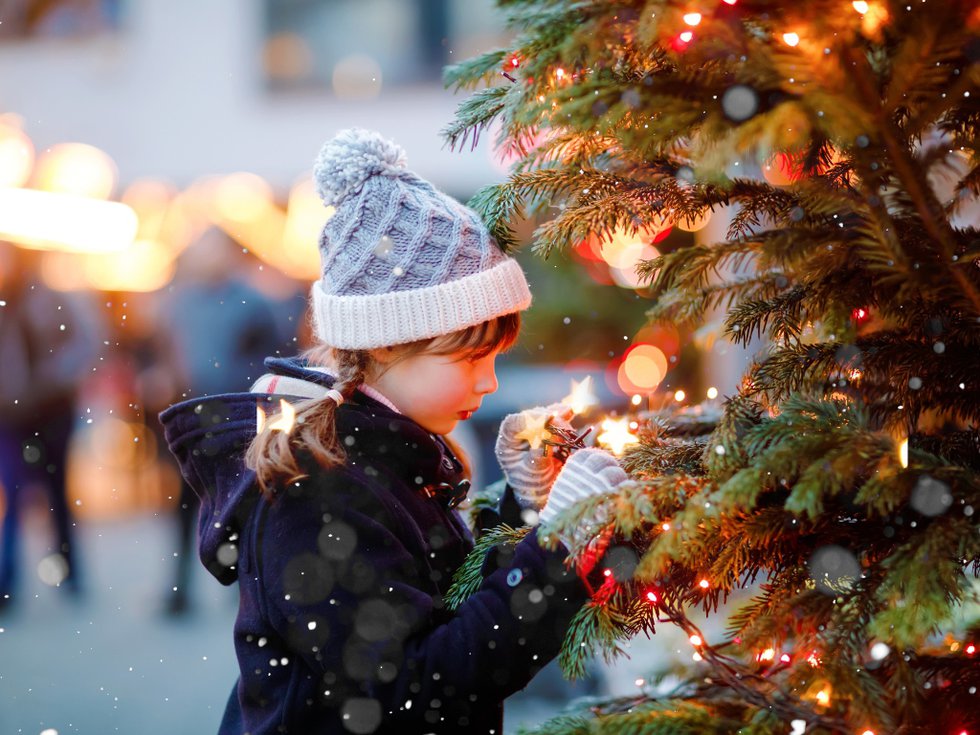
x,y
529,464
588,472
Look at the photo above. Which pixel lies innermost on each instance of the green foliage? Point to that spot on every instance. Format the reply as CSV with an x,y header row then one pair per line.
x,y
468,578
856,281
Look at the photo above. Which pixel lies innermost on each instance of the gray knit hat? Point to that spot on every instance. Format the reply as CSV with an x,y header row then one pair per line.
x,y
400,260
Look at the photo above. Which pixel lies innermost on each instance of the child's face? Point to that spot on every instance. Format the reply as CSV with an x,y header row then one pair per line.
x,y
437,391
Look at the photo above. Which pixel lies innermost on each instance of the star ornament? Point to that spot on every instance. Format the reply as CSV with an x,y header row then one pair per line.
x,y
534,431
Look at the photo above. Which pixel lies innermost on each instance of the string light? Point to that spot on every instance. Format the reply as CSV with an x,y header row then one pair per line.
x,y
559,73
767,655
861,6
692,19
813,660
704,584
729,2
665,526
680,396
696,640
616,435
970,649
686,37
868,732
712,393
636,400
652,597
785,658
859,314
823,699
791,39
903,452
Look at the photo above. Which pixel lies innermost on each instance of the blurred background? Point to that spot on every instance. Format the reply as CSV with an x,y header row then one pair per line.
x,y
158,232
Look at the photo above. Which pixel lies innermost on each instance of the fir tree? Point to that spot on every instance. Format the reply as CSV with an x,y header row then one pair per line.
x,y
841,483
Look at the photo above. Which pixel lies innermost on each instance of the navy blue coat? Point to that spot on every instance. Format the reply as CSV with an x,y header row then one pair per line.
x,y
341,624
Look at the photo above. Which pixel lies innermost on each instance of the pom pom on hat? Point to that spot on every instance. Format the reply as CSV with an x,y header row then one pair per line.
x,y
350,158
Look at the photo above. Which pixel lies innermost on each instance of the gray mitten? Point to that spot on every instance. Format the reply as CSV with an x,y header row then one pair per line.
x,y
588,472
528,464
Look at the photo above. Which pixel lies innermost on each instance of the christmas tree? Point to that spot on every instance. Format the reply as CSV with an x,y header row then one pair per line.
x,y
840,483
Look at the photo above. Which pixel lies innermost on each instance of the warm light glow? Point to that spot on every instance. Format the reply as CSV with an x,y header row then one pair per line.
x,y
855,374
642,369
16,156
581,398
692,19
704,584
616,435
791,39
636,400
970,649
299,256
285,421
652,596
729,2
767,655
712,393
785,658
697,657
813,660
696,224
868,732
76,168
823,698
903,452
145,266
686,36
623,252
48,221
696,640
679,395
559,73
861,6
665,526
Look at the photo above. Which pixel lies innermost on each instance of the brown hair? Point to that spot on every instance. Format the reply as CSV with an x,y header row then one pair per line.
x,y
272,454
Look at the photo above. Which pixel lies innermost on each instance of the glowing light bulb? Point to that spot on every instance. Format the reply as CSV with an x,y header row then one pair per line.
x,y
729,2
607,572
712,393
791,39
697,657
692,19
785,658
680,396
636,400
903,452
868,732
616,435
861,6
581,398
696,640
686,36
665,526
970,649
767,655
813,660
652,596
559,73
704,584
823,699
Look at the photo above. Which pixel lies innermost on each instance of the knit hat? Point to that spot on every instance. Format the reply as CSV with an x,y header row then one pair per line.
x,y
400,260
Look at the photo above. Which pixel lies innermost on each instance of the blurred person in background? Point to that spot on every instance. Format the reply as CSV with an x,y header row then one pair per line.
x,y
49,342
216,328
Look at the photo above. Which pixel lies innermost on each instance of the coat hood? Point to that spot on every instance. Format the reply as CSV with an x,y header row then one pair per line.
x,y
209,437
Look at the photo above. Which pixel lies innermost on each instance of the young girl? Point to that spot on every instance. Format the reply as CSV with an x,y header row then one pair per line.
x,y
333,507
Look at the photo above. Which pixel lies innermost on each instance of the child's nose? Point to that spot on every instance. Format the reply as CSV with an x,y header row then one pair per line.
x,y
486,381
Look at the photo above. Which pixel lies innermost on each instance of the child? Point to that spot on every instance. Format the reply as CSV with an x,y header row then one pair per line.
x,y
340,528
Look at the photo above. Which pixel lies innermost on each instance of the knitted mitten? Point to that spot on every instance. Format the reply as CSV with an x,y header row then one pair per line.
x,y
587,472
529,467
